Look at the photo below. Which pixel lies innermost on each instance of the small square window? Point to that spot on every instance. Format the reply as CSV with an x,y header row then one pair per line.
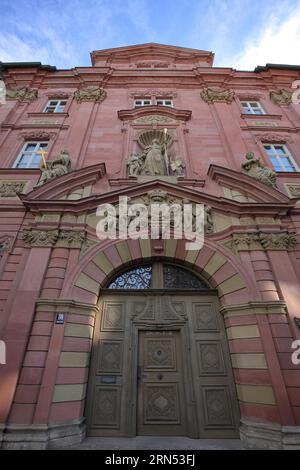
x,y
55,106
252,107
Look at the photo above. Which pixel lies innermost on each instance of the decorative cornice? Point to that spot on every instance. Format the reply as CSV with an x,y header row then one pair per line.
x,y
47,203
159,114
90,94
210,95
281,97
65,305
243,182
49,238
257,307
22,94
69,182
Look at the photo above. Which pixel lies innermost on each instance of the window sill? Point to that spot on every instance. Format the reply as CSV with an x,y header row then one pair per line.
x,y
262,116
47,115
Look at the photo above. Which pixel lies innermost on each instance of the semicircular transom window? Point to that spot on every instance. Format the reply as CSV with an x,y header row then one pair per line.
x,y
158,275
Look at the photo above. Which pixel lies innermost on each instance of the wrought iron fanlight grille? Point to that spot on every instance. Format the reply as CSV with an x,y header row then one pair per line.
x,y
173,277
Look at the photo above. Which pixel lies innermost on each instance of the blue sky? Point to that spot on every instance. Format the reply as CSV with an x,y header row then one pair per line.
x,y
242,33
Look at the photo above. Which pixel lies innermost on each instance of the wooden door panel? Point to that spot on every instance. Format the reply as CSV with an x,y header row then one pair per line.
x,y
161,401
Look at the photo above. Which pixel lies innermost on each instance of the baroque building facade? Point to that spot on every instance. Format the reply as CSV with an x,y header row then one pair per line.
x,y
140,336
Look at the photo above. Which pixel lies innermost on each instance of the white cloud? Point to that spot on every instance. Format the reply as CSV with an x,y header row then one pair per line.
x,y
278,42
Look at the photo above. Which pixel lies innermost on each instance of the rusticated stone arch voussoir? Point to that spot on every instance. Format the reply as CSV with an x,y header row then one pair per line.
x,y
220,270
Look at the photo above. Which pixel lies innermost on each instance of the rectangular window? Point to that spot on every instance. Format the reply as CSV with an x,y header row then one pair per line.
x,y
142,102
55,106
252,107
168,103
280,157
29,156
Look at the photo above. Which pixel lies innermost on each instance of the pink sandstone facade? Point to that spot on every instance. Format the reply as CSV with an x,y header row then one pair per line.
x,y
52,262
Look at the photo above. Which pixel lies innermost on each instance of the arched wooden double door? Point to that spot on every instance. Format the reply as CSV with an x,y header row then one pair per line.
x,y
160,363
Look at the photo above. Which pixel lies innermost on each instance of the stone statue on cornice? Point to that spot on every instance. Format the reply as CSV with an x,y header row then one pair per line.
x,y
55,168
254,168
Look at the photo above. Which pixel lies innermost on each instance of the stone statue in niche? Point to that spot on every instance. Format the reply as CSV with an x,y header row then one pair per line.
x,y
254,168
177,167
151,162
58,167
154,162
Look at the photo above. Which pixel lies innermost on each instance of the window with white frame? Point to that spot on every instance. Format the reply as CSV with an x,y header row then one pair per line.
x,y
162,102
55,106
142,102
30,156
252,107
280,157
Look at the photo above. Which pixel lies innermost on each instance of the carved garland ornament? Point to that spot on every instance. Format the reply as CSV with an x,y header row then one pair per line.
x,y
265,241
11,188
210,95
90,94
51,237
22,94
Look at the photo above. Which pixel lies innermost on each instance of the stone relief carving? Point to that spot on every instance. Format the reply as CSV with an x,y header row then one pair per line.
x,y
272,137
162,197
254,168
71,236
58,167
11,188
154,92
37,135
35,237
178,167
40,237
58,95
22,94
282,97
210,95
265,241
294,189
5,242
90,94
155,120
